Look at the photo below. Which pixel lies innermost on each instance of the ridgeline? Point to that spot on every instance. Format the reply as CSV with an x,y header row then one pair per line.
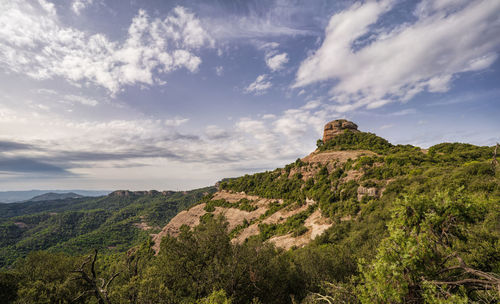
x,y
359,220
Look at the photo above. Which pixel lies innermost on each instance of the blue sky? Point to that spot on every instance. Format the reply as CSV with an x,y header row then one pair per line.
x,y
99,94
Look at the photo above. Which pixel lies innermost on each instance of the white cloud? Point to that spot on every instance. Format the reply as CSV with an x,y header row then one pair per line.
x,y
273,60
268,116
312,105
267,46
96,146
259,86
277,62
448,38
66,98
175,122
82,100
215,132
47,6
38,45
297,122
404,112
248,27
78,5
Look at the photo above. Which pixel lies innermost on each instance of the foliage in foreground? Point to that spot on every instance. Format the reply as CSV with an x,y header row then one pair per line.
x,y
442,248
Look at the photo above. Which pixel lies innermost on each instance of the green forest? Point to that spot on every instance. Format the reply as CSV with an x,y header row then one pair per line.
x,y
433,236
77,226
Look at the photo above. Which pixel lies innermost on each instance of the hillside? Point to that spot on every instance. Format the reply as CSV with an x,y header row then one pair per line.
x,y
351,174
19,196
51,196
359,220
114,222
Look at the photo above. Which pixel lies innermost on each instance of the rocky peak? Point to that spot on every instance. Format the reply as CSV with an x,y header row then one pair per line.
x,y
336,127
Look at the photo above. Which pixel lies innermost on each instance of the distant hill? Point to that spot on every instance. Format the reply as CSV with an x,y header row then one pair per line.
x,y
51,196
19,196
74,224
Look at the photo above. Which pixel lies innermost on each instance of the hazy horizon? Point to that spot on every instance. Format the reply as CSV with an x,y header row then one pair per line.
x,y
144,95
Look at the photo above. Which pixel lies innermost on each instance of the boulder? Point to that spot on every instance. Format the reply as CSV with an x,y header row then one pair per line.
x,y
371,191
336,127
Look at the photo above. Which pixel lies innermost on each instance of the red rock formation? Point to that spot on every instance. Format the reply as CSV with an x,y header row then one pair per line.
x,y
336,127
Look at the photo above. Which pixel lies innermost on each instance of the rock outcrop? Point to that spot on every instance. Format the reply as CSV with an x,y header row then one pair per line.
x,y
362,191
336,127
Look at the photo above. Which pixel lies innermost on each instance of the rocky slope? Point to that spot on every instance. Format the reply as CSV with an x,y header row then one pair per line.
x,y
349,175
274,212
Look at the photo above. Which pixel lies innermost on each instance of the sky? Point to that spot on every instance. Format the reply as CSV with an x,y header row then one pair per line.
x,y
175,95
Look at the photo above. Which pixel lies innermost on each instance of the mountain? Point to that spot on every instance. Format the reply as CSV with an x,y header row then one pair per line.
x,y
350,174
18,196
51,196
113,223
359,220
351,180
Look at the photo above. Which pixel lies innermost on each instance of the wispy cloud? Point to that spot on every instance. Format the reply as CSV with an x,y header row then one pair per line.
x,y
68,147
276,62
219,70
13,146
400,62
28,165
81,100
260,85
269,19
78,5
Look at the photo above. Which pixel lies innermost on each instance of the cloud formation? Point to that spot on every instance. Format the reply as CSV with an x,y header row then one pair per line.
x,y
70,147
33,42
260,85
13,146
263,20
395,64
274,61
277,62
78,5
28,165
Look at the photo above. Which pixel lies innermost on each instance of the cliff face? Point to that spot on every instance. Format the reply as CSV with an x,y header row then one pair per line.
x,y
336,127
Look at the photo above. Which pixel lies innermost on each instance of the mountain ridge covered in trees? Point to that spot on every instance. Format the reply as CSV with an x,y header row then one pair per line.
x,y
408,226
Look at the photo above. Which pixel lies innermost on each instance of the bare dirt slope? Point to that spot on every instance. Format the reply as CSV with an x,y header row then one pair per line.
x,y
234,216
278,217
316,224
189,217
